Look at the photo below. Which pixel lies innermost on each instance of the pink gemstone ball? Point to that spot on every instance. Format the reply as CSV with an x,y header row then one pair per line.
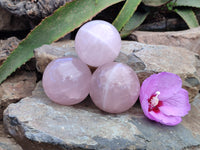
x,y
97,42
114,87
66,81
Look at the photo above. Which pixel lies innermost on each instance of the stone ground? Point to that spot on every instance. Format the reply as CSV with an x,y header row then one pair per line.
x,y
6,141
36,123
189,39
12,90
15,88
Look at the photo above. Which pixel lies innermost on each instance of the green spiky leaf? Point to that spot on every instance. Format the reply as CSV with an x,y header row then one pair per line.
x,y
155,3
187,3
188,16
135,21
64,20
125,14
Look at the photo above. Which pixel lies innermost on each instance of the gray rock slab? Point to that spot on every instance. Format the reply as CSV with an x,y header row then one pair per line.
x,y
37,124
189,39
143,58
6,141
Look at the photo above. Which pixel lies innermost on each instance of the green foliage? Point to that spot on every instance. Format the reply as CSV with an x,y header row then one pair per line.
x,y
155,3
187,3
63,21
188,16
170,6
185,13
135,21
125,14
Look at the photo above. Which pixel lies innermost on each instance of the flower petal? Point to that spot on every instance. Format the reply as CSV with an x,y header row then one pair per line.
x,y
168,84
149,87
146,91
164,119
144,104
177,105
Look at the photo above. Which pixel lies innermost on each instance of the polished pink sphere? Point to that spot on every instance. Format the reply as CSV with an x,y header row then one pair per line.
x,y
66,81
114,87
97,42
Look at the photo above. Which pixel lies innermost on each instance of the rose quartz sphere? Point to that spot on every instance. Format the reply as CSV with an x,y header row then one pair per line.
x,y
97,42
114,87
66,81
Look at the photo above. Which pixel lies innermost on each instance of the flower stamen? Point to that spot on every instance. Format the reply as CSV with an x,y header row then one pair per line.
x,y
154,102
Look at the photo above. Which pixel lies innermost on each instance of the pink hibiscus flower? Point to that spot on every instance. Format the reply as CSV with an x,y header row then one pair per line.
x,y
163,99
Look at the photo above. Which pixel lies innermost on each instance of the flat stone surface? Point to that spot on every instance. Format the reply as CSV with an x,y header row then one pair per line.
x,y
144,59
37,123
6,141
15,88
189,39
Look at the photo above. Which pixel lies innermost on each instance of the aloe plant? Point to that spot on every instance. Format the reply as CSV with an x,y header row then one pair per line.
x,y
188,16
72,15
184,9
135,21
155,3
187,3
125,14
